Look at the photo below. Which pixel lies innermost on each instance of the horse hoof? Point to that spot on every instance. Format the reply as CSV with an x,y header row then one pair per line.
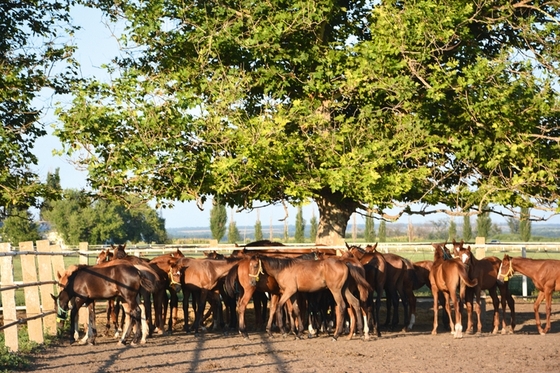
x,y
334,339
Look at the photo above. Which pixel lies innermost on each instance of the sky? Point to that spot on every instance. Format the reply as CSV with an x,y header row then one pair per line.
x,y
97,45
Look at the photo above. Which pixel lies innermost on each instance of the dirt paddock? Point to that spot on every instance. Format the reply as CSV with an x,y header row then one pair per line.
x,y
416,351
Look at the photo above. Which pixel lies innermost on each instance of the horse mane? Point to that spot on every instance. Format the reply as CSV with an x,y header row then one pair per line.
x,y
277,263
261,243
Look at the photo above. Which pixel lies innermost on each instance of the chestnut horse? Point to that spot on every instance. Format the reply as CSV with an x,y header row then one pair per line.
x,y
444,277
486,271
89,283
201,276
545,274
298,275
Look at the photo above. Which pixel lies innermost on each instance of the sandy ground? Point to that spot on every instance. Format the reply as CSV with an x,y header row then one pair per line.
x,y
416,351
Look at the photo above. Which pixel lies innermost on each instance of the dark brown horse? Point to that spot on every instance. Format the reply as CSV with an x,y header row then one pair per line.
x,y
545,274
89,283
486,271
201,276
161,304
444,277
375,267
298,275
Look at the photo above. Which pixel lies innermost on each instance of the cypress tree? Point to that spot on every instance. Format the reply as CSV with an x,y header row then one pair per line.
x,y
300,226
218,220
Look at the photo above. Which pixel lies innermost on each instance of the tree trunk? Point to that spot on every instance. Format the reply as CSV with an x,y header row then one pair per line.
x,y
334,214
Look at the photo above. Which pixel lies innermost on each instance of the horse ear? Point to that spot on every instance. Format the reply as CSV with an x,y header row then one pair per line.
x,y
58,275
54,297
124,246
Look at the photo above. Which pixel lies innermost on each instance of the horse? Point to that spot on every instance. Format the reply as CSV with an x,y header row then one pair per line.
x,y
297,275
545,274
485,270
113,305
251,286
159,294
89,283
165,262
201,276
444,277
375,266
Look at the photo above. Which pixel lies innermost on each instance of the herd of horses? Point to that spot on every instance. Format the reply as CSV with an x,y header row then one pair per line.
x,y
319,290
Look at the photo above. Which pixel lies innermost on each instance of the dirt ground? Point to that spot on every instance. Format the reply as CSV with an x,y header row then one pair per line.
x,y
416,351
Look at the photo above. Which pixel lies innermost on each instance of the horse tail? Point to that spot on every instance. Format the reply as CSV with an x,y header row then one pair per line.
x,y
148,277
231,280
465,276
363,286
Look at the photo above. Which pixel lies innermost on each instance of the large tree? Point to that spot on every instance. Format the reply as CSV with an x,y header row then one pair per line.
x,y
31,49
359,106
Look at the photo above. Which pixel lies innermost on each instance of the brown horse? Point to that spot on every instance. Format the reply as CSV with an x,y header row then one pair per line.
x,y
161,304
298,275
201,276
486,271
545,274
375,267
444,277
251,285
89,283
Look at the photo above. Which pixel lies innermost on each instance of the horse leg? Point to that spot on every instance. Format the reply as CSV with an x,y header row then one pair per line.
x,y
91,334
241,307
144,324
186,296
404,299
536,306
412,310
548,299
340,307
356,323
201,305
127,324
469,297
435,293
496,305
274,298
511,304
458,325
478,308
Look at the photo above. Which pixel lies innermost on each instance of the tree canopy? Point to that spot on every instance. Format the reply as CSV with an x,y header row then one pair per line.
x,y
30,50
360,106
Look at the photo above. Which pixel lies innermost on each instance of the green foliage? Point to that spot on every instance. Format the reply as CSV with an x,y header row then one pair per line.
x,y
483,225
313,228
349,104
382,231
258,231
467,229
29,55
369,230
452,230
233,233
20,227
77,219
513,225
218,220
299,235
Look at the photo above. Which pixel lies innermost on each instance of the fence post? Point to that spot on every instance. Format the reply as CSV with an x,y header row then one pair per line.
x,y
8,298
45,290
524,278
31,293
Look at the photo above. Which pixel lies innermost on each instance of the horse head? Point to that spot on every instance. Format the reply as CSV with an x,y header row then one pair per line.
x,y
506,269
